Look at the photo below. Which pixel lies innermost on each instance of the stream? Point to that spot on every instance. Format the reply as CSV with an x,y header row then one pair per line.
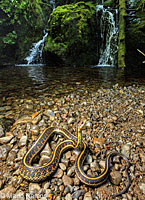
x,y
35,80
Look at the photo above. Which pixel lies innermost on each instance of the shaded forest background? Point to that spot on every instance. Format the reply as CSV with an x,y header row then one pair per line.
x,y
23,23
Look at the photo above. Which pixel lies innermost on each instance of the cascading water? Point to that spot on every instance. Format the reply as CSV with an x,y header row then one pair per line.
x,y
108,37
35,55
52,2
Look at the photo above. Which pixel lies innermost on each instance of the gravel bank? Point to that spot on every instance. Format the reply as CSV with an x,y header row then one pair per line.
x,y
115,121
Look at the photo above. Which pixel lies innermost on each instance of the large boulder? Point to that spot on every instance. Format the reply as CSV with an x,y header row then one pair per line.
x,y
72,33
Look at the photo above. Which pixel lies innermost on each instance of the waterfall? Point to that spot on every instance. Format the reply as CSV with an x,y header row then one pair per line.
x,y
35,55
52,2
108,36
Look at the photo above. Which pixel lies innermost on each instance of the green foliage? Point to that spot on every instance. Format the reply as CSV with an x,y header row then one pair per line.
x,y
21,23
10,38
71,29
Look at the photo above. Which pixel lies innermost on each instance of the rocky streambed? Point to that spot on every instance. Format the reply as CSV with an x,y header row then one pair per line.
x,y
115,121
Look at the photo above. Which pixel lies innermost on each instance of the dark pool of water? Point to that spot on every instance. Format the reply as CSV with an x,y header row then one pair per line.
x,y
32,80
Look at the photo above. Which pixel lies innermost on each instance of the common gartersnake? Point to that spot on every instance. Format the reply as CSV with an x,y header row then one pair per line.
x,y
39,173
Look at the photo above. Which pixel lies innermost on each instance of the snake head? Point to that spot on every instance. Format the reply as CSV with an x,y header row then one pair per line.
x,y
81,125
79,143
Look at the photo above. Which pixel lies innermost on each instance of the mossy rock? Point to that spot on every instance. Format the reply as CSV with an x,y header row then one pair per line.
x,y
72,33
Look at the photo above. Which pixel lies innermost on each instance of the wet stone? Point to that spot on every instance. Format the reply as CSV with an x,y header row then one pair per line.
x,y
61,188
29,107
1,183
89,159
13,181
102,163
46,185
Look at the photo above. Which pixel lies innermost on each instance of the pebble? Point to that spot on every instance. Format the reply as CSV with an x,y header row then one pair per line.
x,y
67,180
71,171
77,194
35,130
37,119
46,185
88,196
102,164
50,114
4,140
142,187
89,159
76,181
71,120
34,188
7,192
23,141
68,155
1,131
1,183
46,151
4,149
62,166
44,160
21,153
126,150
58,173
68,197
11,156
116,177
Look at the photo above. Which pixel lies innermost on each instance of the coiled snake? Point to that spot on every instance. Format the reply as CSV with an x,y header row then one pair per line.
x,y
39,173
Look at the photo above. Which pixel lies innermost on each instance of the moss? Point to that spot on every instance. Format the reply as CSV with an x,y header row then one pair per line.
x,y
72,32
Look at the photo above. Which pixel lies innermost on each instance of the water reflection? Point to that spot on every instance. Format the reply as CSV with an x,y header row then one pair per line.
x,y
36,73
31,80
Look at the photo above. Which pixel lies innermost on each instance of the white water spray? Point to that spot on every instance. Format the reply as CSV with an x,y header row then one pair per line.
x,y
52,2
108,34
35,55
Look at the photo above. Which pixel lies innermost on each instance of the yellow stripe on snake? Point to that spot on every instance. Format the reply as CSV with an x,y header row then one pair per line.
x,y
39,173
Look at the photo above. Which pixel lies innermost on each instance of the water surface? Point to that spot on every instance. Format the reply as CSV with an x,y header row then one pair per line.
x,y
32,81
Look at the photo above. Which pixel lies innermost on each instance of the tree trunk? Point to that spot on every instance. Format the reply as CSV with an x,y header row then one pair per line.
x,y
121,37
